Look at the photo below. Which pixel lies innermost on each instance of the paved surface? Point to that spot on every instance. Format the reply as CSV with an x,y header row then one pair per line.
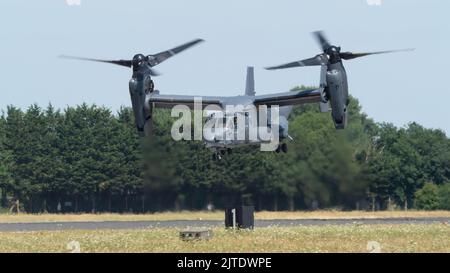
x,y
205,223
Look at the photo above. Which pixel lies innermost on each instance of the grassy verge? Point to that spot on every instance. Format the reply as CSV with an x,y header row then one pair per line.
x,y
218,215
391,238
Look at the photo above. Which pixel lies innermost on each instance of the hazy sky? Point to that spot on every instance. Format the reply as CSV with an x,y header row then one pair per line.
x,y
397,88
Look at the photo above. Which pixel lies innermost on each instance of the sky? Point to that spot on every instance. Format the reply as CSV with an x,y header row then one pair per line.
x,y
397,88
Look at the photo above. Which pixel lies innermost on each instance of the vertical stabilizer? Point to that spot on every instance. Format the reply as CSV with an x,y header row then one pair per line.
x,y
250,82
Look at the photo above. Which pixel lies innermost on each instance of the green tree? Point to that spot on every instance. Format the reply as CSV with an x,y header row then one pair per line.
x,y
322,162
5,164
17,148
397,165
427,197
444,196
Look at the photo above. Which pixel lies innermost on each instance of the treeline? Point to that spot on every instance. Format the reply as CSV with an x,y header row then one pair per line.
x,y
80,157
88,159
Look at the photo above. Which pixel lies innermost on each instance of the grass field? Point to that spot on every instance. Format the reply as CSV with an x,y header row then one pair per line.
x,y
348,238
355,238
218,215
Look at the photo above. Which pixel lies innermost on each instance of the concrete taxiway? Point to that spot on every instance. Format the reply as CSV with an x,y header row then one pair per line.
x,y
43,226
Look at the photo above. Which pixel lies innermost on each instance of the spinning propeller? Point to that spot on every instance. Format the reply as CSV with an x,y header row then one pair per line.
x,y
140,60
331,54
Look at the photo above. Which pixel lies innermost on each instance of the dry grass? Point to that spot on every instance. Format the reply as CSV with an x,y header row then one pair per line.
x,y
392,238
333,214
219,215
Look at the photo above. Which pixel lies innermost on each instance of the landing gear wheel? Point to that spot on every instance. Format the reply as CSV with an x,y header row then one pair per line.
x,y
284,148
278,150
217,156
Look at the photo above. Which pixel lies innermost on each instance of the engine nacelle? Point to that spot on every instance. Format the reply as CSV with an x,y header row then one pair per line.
x,y
137,95
334,80
337,98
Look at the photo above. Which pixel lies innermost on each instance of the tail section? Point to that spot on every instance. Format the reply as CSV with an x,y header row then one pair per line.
x,y
250,82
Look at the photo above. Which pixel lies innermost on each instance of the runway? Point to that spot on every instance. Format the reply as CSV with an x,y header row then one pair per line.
x,y
181,224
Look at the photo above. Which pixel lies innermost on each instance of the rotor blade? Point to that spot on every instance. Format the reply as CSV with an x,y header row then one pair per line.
x,y
127,63
153,72
352,55
320,59
320,37
162,56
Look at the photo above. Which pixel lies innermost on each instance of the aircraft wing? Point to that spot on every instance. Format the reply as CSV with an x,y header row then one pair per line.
x,y
290,98
169,101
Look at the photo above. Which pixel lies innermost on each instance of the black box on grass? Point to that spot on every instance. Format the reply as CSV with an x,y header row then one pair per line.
x,y
240,217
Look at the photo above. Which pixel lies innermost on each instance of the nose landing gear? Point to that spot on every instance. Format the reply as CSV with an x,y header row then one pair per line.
x,y
282,148
219,154
216,156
